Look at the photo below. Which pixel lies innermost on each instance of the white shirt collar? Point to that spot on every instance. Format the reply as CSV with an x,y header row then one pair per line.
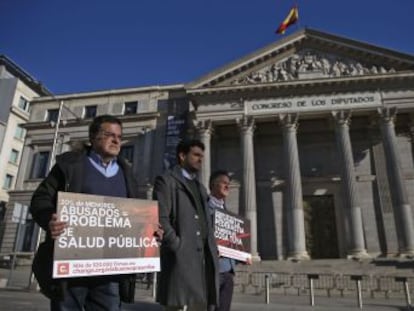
x,y
187,175
218,203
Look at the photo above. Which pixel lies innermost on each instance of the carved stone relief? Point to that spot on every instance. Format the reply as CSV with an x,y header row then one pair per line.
x,y
310,64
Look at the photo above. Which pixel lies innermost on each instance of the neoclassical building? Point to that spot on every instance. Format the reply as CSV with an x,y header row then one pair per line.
x,y
316,130
17,89
60,123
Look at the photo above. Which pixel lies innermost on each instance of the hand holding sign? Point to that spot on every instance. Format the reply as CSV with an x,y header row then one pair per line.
x,y
56,227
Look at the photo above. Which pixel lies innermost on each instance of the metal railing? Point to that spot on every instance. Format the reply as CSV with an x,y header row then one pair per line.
x,y
359,285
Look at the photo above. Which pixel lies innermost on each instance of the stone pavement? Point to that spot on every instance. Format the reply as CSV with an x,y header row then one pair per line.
x,y
15,297
19,300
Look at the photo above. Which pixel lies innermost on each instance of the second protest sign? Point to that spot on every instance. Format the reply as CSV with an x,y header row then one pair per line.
x,y
232,234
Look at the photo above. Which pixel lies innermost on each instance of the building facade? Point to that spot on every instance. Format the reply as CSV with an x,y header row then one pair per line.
x,y
316,130
60,123
17,89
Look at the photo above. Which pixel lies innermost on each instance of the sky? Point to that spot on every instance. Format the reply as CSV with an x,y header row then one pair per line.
x,y
74,46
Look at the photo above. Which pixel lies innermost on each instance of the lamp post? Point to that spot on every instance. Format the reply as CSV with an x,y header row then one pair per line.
x,y
55,137
49,167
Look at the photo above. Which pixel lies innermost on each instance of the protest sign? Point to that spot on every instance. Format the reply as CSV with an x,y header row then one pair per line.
x,y
232,234
105,235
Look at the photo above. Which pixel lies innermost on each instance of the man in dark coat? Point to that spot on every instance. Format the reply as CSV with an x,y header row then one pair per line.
x,y
97,171
189,265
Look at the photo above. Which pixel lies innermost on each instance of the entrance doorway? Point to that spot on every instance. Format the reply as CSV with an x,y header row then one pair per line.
x,y
320,226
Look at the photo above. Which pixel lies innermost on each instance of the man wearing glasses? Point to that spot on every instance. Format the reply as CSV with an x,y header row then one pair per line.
x,y
100,171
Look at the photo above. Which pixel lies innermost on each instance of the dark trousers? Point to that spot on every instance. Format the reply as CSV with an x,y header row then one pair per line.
x,y
89,295
226,291
196,307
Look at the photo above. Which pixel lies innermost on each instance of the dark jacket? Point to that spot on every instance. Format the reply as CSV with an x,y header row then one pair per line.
x,y
182,280
66,175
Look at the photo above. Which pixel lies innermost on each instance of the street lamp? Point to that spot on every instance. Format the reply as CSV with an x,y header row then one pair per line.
x,y
52,160
55,138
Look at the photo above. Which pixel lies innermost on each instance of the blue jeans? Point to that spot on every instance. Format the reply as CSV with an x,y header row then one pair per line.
x,y
92,294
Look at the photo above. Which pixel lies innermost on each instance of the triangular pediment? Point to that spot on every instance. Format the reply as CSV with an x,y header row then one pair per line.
x,y
308,54
309,64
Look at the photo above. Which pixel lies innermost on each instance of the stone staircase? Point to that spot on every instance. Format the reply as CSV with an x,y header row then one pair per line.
x,y
334,277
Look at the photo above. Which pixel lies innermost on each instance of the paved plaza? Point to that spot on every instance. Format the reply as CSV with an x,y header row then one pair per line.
x,y
14,296
19,300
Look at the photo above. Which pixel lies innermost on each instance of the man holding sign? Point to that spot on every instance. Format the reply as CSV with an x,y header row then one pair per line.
x,y
188,280
97,171
219,190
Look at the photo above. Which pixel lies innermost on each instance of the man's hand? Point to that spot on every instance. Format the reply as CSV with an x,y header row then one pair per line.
x,y
159,233
56,227
249,261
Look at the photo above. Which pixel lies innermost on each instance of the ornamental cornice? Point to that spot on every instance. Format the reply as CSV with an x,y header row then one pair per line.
x,y
348,81
85,122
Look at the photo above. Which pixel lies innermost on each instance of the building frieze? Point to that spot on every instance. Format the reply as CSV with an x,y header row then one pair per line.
x,y
311,64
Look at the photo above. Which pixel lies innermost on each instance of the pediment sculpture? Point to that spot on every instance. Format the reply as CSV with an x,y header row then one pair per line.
x,y
311,64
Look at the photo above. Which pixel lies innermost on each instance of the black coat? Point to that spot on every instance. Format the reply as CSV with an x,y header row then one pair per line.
x,y
182,278
67,175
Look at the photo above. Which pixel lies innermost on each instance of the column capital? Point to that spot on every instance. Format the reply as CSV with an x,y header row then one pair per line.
x,y
387,114
65,138
246,124
342,117
28,141
193,103
203,126
149,188
289,120
145,129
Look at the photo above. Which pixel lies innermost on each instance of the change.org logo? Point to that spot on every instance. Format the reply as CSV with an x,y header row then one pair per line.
x,y
63,268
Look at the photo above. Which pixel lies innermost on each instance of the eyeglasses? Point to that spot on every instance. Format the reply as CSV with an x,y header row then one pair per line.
x,y
107,134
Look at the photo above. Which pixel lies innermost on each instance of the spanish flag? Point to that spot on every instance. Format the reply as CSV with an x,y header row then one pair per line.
x,y
292,18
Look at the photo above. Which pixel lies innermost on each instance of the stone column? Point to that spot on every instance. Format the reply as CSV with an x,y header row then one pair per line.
x,y
148,192
147,158
296,225
25,162
356,246
402,207
143,160
411,129
204,131
64,143
246,126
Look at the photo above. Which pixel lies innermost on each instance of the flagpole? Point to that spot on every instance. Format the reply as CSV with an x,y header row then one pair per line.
x,y
298,23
